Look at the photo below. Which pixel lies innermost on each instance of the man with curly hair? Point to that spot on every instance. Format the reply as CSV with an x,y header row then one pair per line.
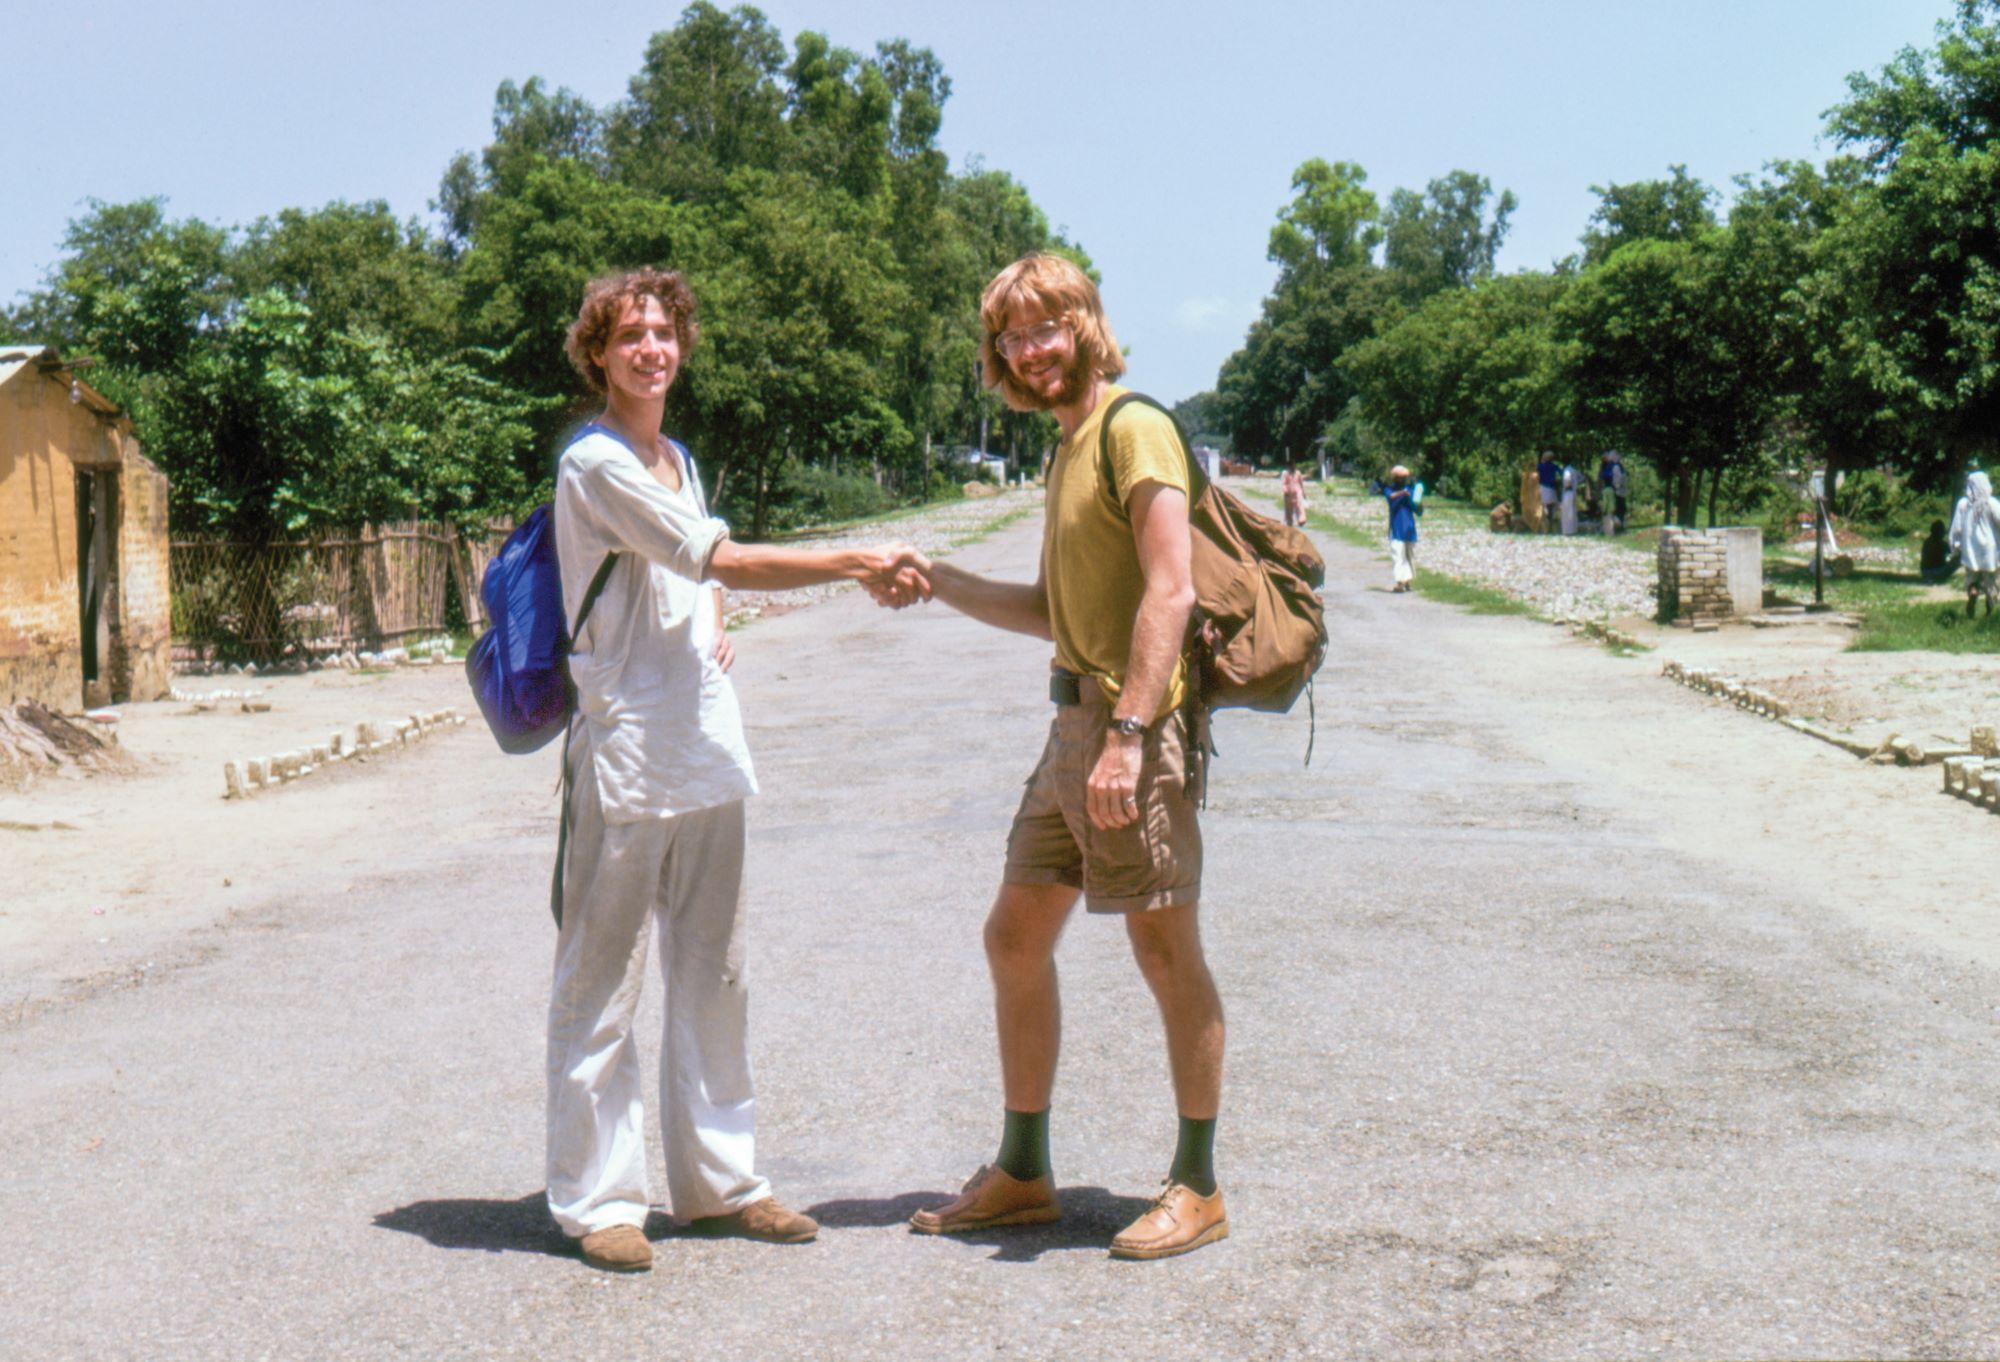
x,y
1109,814
659,772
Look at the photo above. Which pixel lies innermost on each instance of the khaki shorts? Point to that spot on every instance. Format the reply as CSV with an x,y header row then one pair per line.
x,y
1152,862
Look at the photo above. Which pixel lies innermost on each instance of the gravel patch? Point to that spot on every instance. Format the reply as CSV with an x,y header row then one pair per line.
x,y
1888,555
934,532
1581,576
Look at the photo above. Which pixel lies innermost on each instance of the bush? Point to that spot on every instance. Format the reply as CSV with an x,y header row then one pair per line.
x,y
1881,503
811,495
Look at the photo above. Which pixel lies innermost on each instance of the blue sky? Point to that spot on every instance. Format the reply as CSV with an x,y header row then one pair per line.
x,y
1162,136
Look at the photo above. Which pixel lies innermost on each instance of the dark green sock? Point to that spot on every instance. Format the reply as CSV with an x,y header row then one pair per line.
x,y
1024,1145
1194,1156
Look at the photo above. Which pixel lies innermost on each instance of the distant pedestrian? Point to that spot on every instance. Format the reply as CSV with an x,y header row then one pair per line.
x,y
1293,484
1404,508
1611,478
1975,536
1570,478
1934,561
1548,483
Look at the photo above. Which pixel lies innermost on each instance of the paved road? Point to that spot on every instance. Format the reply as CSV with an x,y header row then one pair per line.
x,y
1537,1048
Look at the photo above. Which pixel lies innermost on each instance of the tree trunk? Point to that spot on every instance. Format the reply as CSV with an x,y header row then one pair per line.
x,y
1714,492
1684,496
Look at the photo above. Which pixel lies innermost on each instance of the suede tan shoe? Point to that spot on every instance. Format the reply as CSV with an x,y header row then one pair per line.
x,y
992,1198
1179,1222
767,1221
617,1248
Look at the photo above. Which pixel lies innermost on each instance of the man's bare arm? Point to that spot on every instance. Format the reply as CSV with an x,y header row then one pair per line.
x,y
1166,553
1160,533
1014,606
770,567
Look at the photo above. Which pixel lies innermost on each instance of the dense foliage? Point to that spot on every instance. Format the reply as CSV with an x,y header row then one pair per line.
x,y
1844,316
329,366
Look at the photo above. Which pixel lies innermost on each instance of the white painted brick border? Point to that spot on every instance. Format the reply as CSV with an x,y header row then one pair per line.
x,y
241,779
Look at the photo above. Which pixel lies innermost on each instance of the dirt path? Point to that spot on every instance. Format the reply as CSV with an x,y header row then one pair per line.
x,y
1571,1015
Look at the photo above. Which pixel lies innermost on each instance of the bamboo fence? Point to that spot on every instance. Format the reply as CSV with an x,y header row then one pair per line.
x,y
368,588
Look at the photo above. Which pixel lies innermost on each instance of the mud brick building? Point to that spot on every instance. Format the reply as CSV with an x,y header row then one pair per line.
x,y
86,615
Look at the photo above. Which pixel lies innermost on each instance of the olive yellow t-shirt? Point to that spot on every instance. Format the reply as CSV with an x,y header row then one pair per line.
x,y
1090,564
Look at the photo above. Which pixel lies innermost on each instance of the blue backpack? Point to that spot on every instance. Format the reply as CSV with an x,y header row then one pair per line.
x,y
519,668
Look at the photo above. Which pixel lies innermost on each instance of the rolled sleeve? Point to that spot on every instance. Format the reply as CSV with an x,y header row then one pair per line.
x,y
637,514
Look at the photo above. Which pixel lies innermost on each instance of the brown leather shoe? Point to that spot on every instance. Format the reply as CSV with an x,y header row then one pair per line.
x,y
617,1248
992,1198
766,1220
1179,1222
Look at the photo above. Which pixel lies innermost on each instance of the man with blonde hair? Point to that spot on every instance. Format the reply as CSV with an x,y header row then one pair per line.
x,y
1109,814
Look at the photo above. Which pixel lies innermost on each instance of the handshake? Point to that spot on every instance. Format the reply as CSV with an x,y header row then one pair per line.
x,y
895,575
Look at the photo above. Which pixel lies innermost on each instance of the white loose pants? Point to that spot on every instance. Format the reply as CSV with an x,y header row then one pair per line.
x,y
1402,561
683,875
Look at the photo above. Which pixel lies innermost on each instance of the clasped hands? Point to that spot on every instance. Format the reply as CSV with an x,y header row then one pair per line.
x,y
895,575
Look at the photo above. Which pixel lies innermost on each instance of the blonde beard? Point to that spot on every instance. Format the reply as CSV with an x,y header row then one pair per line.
x,y
1076,377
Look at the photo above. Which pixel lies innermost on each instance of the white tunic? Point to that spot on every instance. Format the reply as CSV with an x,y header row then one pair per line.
x,y
1973,531
664,732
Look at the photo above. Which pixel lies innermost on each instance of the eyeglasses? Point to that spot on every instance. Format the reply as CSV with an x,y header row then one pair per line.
x,y
1040,336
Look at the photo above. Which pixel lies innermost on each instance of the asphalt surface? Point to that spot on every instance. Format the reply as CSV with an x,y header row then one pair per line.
x,y
1522,1062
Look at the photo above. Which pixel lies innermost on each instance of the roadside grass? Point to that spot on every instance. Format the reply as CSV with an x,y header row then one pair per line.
x,y
1472,597
1341,530
888,517
1899,612
1932,626
1865,589
993,526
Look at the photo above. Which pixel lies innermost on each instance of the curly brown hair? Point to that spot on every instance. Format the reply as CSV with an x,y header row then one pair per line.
x,y
604,303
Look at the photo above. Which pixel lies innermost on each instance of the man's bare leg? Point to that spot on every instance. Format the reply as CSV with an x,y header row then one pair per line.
x,y
1017,1188
1021,935
1167,944
1189,1212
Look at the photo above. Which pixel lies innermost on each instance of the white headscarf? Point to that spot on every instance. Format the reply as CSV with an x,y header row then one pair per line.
x,y
1975,526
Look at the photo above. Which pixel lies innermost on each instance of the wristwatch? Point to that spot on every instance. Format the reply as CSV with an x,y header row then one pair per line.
x,y
1130,726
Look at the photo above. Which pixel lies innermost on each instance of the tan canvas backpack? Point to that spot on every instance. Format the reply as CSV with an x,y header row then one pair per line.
x,y
1258,632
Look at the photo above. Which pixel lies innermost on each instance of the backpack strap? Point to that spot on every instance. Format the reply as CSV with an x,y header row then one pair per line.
x,y
1196,478
1194,705
1199,658
590,595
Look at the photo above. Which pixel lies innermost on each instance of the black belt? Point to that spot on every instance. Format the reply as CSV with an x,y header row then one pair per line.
x,y
1065,688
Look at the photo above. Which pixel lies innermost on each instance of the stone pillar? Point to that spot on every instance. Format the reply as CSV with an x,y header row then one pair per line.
x,y
1709,575
1743,567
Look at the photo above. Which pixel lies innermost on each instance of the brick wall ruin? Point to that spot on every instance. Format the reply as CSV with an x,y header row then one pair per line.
x,y
1707,576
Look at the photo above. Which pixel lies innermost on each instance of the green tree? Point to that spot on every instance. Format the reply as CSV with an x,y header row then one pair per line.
x,y
355,268
1444,238
1918,249
1472,384
1670,360
1332,222
133,289
1678,208
530,126
1284,387
707,101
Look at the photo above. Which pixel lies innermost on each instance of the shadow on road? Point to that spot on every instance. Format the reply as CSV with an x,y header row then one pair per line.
x,y
521,1226
1091,1216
